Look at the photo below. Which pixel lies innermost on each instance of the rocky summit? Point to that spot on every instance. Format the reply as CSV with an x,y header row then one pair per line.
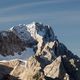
x,y
33,52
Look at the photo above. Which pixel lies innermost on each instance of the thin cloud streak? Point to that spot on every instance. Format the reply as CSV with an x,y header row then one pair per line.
x,y
31,4
26,5
59,15
20,17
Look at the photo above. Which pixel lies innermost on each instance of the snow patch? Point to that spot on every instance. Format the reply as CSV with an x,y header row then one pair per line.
x,y
24,55
4,34
22,33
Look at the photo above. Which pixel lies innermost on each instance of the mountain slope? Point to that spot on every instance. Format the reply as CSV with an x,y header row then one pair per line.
x,y
40,55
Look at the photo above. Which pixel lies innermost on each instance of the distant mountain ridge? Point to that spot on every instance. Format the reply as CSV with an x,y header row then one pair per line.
x,y
33,52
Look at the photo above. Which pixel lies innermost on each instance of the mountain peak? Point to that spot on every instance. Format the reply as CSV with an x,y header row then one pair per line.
x,y
18,38
25,32
47,58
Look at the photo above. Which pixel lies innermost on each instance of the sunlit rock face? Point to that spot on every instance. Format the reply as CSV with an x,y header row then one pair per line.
x,y
33,52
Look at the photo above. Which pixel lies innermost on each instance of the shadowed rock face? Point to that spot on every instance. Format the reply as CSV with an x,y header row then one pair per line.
x,y
51,60
10,43
9,69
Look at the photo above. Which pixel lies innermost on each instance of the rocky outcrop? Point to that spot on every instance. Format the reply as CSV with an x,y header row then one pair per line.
x,y
51,60
33,70
6,68
10,43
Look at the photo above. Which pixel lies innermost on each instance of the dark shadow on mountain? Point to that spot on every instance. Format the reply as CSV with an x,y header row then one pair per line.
x,y
10,43
62,50
71,70
5,69
5,73
9,77
49,78
67,55
43,61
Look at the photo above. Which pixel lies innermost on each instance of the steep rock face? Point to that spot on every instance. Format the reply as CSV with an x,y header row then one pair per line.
x,y
10,43
49,59
33,31
18,38
32,68
7,68
71,62
56,70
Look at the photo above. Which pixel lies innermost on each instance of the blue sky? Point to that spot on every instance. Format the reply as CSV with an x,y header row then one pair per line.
x,y
62,15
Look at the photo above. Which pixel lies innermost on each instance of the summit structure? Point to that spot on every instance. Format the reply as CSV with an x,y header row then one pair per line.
x,y
33,52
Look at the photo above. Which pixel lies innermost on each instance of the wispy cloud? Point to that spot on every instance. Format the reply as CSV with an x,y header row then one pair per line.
x,y
59,15
27,5
32,4
21,17
52,14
